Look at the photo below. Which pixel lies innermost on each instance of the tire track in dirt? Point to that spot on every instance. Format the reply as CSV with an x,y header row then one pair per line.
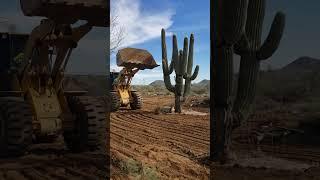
x,y
138,127
169,126
161,132
175,129
180,120
135,135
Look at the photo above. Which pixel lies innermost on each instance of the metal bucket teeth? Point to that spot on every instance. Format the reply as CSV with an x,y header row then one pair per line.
x,y
94,11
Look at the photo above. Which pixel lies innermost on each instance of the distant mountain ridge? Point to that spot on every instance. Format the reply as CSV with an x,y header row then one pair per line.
x,y
202,83
157,83
303,63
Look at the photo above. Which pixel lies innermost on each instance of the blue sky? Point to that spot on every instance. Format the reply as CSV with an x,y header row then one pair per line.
x,y
181,17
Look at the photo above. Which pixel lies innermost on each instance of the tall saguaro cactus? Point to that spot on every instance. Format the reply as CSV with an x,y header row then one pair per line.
x,y
182,64
237,30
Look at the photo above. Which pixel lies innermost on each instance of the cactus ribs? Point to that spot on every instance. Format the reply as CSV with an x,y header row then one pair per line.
x,y
237,30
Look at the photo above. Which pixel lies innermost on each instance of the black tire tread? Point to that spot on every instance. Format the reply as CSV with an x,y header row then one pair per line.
x,y
96,124
17,116
136,101
115,101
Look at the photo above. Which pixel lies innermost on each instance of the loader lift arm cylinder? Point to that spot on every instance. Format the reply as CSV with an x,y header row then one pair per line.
x,y
50,35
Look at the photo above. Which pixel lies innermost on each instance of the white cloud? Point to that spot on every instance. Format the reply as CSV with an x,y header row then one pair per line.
x,y
140,26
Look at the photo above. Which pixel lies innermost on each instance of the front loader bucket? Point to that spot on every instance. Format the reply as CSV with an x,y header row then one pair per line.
x,y
96,12
135,58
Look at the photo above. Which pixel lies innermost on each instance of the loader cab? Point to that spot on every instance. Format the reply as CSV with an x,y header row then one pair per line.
x,y
113,76
11,45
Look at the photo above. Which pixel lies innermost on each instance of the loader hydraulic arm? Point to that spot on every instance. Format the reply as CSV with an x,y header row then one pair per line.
x,y
47,52
40,65
125,77
37,76
42,69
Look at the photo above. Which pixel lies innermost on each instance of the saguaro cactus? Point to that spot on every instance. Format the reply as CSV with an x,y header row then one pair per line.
x,y
237,29
181,63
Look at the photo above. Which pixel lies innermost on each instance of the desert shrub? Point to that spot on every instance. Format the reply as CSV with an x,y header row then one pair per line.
x,y
131,167
149,174
200,91
138,170
157,110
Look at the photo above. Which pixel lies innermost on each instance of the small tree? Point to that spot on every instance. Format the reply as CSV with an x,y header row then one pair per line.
x,y
117,32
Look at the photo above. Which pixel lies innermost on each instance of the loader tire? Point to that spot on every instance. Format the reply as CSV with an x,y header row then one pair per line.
x,y
136,101
90,125
16,126
115,101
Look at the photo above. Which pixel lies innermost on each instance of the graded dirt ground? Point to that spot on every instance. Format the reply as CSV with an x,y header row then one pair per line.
x,y
54,162
150,145
168,144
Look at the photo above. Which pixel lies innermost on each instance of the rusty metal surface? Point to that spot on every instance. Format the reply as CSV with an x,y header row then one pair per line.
x,y
94,11
136,58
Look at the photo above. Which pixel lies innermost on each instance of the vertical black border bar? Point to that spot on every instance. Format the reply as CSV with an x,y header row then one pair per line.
x,y
213,5
212,16
107,59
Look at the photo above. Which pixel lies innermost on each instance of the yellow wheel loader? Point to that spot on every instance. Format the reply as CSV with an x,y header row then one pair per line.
x,y
34,106
132,60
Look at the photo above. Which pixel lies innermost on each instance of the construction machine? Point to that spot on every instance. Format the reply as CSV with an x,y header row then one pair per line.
x,y
34,107
132,60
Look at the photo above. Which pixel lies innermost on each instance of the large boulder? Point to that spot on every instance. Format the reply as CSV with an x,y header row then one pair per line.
x,y
135,58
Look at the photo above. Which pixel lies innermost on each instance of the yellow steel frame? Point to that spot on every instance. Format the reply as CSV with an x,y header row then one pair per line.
x,y
123,84
41,81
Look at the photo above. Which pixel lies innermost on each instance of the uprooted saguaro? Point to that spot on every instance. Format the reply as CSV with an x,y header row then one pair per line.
x,y
182,64
237,30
